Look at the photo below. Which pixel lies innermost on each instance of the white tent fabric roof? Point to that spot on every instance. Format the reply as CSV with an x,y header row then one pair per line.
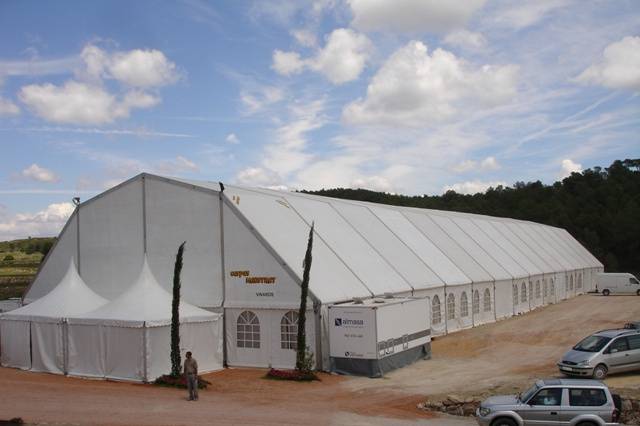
x,y
365,249
69,298
144,302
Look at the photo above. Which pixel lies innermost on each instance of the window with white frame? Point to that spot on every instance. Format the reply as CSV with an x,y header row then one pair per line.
x,y
475,304
464,305
487,300
552,288
289,331
451,306
248,330
435,310
530,290
546,288
523,296
515,294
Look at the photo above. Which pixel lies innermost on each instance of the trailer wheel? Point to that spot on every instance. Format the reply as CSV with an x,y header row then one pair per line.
x,y
600,372
605,292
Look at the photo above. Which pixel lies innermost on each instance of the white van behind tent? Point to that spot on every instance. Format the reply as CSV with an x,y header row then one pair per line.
x,y
617,283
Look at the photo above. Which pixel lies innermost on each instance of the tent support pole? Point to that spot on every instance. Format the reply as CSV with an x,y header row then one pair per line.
x,y
317,307
145,376
225,360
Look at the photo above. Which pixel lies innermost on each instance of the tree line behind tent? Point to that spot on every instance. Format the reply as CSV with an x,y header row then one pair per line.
x,y
599,207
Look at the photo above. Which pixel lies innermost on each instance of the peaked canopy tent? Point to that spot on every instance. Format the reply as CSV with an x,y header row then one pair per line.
x,y
129,337
246,245
33,337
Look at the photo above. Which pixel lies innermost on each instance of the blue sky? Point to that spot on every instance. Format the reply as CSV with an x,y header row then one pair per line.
x,y
406,96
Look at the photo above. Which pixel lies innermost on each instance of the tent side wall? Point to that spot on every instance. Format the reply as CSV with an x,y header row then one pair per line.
x,y
175,213
47,346
111,239
15,340
55,264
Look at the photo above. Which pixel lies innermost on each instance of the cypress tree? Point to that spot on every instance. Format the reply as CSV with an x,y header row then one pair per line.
x,y
301,349
176,362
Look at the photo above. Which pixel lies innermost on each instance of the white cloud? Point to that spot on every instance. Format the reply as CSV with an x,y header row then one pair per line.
x,y
466,39
342,59
465,166
305,38
39,174
488,164
520,15
413,88
8,108
175,166
46,222
255,101
619,67
287,153
81,103
412,15
568,167
473,187
260,177
135,68
232,138
373,183
287,63
344,56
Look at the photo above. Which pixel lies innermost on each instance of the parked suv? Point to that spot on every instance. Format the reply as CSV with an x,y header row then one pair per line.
x,y
607,351
552,402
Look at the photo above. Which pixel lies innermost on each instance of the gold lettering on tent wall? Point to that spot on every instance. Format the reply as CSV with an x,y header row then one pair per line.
x,y
252,280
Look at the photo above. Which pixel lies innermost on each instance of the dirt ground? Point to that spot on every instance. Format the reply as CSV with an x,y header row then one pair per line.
x,y
495,358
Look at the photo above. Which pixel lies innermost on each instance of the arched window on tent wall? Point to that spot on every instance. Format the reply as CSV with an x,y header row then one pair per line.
x,y
553,287
546,287
451,306
566,283
530,290
523,290
579,284
487,300
464,305
515,294
538,289
248,330
571,282
476,302
435,310
289,331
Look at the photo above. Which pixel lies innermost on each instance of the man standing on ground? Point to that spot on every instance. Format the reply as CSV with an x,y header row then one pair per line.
x,y
191,374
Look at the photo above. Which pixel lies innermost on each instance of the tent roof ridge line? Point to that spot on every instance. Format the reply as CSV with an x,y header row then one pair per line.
x,y
488,252
372,246
329,247
438,248
467,252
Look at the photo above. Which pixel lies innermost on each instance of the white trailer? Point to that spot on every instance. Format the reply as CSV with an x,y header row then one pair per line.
x,y
370,337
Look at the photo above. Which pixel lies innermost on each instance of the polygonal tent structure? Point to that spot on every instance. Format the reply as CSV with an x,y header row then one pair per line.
x,y
129,337
33,337
245,248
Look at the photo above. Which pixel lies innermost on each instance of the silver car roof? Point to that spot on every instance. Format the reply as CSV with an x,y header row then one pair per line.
x,y
617,332
572,383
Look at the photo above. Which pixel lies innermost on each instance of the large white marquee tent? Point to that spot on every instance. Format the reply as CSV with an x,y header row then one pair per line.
x,y
244,260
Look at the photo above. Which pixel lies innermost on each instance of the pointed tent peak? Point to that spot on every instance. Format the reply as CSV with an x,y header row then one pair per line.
x,y
146,278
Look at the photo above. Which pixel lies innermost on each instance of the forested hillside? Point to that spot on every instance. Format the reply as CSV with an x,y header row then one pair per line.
x,y
599,207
